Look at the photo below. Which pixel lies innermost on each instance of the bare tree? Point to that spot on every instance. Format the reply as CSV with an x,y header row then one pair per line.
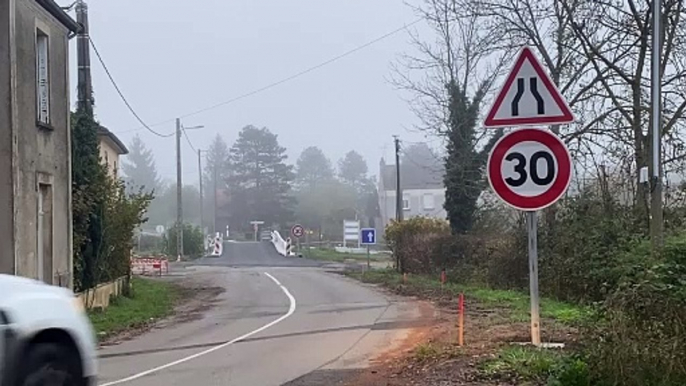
x,y
462,52
615,37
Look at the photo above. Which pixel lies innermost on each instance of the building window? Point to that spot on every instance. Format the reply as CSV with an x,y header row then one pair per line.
x,y
406,203
428,201
42,77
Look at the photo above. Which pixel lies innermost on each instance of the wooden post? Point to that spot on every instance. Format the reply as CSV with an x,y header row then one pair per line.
x,y
460,321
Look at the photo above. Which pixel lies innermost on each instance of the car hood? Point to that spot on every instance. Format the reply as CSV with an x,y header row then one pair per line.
x,y
10,284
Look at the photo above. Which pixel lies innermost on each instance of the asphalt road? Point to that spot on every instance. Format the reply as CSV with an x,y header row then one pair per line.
x,y
280,321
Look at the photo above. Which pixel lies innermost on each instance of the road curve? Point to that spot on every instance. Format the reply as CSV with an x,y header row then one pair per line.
x,y
277,321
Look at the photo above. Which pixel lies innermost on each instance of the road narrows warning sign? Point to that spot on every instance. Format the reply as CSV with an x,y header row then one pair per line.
x,y
528,97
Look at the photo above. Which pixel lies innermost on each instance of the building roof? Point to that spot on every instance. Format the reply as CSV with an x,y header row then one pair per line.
x,y
120,147
413,176
59,14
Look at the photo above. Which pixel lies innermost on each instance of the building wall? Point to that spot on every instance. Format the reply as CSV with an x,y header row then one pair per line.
x,y
42,154
109,155
416,207
6,192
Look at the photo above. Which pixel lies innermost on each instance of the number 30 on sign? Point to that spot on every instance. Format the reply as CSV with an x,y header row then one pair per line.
x,y
529,169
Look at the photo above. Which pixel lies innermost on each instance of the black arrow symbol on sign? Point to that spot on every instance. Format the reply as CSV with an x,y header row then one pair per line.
x,y
533,85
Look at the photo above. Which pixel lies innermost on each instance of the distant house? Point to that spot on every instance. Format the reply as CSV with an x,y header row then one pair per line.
x,y
422,188
111,148
35,145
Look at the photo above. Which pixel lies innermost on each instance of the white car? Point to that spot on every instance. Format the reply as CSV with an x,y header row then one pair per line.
x,y
45,336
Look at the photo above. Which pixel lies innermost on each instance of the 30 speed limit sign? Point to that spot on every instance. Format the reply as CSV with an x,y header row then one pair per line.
x,y
529,169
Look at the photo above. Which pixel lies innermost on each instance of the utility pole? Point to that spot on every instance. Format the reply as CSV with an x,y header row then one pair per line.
x,y
656,220
398,197
83,58
179,207
398,189
202,216
214,199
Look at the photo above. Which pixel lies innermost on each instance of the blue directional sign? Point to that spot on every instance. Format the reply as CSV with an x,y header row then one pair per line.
x,y
368,236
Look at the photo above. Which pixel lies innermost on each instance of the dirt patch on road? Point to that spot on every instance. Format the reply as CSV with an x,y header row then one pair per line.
x,y
194,297
430,356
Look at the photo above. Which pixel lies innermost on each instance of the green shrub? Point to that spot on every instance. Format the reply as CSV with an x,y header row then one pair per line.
x,y
641,339
581,248
571,371
413,243
193,241
540,366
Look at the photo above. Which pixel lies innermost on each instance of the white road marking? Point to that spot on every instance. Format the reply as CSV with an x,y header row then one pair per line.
x,y
291,310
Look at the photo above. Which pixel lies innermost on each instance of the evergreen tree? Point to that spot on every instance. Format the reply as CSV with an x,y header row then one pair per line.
x,y
259,179
352,170
216,162
312,168
464,180
139,167
88,179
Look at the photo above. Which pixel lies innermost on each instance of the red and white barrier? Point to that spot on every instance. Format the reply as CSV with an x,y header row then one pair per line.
x,y
218,246
149,266
283,247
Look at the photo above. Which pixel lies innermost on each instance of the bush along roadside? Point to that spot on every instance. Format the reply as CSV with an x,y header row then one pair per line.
x,y
148,301
629,306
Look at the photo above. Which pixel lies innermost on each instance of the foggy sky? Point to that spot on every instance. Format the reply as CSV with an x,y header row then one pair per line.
x,y
171,58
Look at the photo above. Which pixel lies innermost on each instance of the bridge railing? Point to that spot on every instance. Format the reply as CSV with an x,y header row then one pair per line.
x,y
279,243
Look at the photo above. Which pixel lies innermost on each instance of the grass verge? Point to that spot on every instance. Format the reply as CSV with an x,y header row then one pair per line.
x,y
149,300
515,302
332,255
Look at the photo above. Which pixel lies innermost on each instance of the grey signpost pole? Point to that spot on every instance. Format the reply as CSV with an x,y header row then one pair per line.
x,y
532,230
369,264
509,111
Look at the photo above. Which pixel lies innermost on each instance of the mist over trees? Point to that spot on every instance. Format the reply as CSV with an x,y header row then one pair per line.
x,y
259,180
139,167
255,182
313,168
352,169
215,175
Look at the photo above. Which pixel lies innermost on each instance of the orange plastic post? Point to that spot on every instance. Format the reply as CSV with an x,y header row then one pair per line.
x,y
460,321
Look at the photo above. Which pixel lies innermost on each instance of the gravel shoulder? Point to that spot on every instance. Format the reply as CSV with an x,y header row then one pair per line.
x,y
431,355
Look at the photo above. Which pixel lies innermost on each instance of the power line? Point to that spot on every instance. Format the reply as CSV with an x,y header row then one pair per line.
x,y
185,134
294,76
121,95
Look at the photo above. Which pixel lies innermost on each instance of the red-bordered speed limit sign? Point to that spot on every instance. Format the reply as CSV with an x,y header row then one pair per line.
x,y
529,169
298,231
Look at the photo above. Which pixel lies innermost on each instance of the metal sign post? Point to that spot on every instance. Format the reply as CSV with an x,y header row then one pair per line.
x,y
519,178
368,237
532,230
529,169
255,228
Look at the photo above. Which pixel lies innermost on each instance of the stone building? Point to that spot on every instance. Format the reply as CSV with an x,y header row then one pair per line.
x,y
35,153
111,148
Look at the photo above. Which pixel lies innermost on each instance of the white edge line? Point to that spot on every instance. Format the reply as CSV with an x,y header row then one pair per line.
x,y
291,310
